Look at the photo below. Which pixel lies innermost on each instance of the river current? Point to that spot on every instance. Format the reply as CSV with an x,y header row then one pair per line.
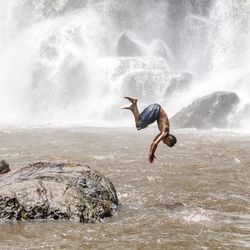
x,y
208,172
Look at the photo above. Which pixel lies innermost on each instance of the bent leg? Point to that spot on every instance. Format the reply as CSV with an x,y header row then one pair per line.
x,y
134,109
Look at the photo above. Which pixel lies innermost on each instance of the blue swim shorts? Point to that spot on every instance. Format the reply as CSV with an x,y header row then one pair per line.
x,y
149,115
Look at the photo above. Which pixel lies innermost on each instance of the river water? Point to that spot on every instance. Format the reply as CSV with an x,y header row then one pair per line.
x,y
206,171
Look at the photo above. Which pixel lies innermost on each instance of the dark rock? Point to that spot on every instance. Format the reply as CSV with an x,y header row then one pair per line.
x,y
127,47
45,190
4,167
208,112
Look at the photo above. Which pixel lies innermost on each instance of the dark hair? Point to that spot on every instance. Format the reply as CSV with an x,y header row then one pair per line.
x,y
172,139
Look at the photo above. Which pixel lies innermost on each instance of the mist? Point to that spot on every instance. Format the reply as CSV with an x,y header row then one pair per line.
x,y
65,63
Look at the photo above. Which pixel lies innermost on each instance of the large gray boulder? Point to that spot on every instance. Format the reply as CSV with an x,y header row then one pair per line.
x,y
67,191
210,111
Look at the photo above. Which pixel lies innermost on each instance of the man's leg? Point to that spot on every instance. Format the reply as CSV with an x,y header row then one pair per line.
x,y
134,109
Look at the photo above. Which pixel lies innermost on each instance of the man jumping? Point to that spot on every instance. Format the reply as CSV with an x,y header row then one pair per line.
x,y
152,113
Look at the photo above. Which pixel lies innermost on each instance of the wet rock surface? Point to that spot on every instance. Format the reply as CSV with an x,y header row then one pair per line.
x,y
210,111
46,190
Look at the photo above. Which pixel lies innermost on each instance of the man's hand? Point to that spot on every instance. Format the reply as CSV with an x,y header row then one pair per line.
x,y
151,158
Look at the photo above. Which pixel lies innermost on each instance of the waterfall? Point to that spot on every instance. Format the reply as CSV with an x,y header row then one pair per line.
x,y
70,62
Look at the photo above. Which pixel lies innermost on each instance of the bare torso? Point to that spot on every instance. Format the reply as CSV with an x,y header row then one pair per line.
x,y
163,122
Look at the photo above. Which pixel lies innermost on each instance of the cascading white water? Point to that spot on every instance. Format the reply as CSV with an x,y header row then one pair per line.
x,y
60,62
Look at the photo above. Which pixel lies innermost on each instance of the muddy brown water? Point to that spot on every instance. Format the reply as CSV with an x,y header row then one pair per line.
x,y
206,171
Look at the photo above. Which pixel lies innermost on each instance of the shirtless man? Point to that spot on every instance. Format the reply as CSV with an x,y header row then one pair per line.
x,y
150,114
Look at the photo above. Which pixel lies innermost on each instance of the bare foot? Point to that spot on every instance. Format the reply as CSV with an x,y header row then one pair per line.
x,y
133,100
127,107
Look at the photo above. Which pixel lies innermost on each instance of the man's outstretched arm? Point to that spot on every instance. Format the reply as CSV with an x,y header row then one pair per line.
x,y
154,146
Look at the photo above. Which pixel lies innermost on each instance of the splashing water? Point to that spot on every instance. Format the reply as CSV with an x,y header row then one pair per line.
x,y
60,63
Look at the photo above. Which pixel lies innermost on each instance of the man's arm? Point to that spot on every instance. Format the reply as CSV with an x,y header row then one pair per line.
x,y
154,146
155,140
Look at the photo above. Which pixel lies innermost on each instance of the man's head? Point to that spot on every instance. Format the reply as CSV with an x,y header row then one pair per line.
x,y
170,140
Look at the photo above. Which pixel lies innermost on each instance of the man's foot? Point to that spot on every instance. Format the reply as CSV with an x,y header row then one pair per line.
x,y
127,107
133,100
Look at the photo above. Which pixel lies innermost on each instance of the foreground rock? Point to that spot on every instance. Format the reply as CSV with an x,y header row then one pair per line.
x,y
211,111
45,190
4,167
